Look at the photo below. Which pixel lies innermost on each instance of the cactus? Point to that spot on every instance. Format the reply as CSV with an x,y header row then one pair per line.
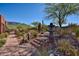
x,y
39,27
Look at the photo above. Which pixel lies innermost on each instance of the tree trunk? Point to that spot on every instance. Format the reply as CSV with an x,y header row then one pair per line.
x,y
60,24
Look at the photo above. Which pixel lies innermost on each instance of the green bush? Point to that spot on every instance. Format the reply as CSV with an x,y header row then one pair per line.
x,y
33,33
77,32
2,38
19,33
44,28
3,35
2,42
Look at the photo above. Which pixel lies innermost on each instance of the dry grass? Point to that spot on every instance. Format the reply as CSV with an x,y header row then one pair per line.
x,y
66,47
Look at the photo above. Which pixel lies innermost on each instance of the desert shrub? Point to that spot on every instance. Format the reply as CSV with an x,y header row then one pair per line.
x,y
20,33
75,29
43,51
63,32
33,33
77,32
2,38
65,47
3,35
21,30
2,42
33,28
73,26
78,52
44,28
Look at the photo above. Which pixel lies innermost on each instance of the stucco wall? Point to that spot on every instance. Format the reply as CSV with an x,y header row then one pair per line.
x,y
2,24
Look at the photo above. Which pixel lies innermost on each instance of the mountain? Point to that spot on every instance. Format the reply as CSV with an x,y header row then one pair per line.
x,y
15,23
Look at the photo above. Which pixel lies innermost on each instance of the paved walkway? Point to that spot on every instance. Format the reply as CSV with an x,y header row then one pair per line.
x,y
12,40
12,47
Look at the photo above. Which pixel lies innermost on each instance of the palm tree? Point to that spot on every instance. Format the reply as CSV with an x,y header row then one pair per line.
x,y
60,11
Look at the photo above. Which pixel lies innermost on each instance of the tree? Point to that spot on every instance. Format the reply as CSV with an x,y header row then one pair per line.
x,y
60,12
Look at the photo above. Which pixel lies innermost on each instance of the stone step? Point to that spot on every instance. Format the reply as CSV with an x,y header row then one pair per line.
x,y
42,35
42,38
37,42
12,36
34,44
29,54
41,42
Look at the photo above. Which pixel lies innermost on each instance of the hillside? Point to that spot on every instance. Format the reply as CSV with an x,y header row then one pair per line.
x,y
14,25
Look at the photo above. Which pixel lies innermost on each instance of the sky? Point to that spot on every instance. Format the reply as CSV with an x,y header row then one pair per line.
x,y
28,13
